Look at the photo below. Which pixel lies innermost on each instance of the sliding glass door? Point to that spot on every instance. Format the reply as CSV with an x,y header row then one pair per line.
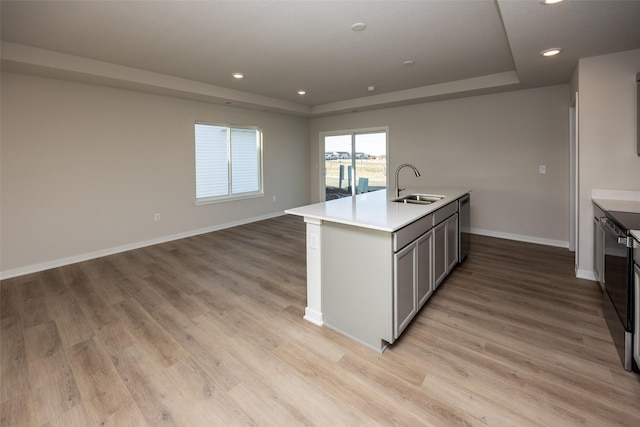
x,y
354,163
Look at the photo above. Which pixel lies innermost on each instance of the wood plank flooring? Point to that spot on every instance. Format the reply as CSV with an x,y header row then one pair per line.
x,y
208,331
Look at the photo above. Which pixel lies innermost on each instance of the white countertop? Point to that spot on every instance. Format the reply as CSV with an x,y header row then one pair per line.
x,y
375,210
618,205
618,200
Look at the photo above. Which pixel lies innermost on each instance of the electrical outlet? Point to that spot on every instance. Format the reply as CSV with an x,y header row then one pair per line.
x,y
313,241
543,169
156,217
274,198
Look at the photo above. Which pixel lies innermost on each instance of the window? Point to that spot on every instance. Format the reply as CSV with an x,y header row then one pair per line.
x,y
355,162
228,162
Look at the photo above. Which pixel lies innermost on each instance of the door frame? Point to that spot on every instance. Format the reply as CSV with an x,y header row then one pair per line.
x,y
574,179
353,132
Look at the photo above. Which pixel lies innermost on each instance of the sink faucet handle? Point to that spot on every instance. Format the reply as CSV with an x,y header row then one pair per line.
x,y
415,171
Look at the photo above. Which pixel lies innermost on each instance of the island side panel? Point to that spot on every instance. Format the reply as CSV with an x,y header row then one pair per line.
x,y
357,283
313,311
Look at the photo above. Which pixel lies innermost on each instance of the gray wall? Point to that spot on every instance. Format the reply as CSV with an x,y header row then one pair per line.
x,y
492,144
84,168
607,122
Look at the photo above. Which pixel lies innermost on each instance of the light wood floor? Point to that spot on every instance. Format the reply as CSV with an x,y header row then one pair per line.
x,y
208,331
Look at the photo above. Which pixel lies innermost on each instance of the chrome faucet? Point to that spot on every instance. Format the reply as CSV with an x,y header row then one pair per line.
x,y
398,189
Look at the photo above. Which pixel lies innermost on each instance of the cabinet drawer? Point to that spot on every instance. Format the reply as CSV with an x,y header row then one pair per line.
x,y
411,232
445,212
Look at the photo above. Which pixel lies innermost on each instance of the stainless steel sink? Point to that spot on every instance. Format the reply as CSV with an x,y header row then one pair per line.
x,y
420,199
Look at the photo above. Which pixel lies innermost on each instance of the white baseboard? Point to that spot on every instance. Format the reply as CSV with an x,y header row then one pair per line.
x,y
580,273
313,316
521,238
585,274
128,247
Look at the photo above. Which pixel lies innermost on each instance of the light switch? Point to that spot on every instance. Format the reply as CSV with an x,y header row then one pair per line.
x,y
543,169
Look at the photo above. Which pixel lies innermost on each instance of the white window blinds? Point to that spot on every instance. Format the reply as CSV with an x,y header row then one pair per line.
x,y
228,161
212,170
244,158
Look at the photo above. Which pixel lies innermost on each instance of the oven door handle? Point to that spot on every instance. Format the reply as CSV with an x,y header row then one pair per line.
x,y
608,226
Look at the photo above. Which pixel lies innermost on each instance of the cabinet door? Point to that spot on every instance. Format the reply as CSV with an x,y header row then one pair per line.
x,y
598,252
404,287
452,242
425,278
439,253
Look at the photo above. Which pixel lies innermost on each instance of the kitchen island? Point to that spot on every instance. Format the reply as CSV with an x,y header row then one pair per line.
x,y
372,263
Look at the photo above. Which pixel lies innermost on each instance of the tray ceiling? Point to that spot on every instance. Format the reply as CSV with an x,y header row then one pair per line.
x,y
458,48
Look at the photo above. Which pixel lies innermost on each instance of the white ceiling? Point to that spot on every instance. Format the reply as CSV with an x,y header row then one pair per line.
x,y
459,47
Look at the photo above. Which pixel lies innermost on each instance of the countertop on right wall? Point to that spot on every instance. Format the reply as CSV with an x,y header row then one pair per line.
x,y
618,200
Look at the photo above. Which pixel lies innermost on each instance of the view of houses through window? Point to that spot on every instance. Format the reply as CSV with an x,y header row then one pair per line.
x,y
354,163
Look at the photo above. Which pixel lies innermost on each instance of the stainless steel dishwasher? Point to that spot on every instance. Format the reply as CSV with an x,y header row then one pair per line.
x,y
464,225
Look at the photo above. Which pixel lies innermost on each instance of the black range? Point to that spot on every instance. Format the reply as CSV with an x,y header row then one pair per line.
x,y
618,295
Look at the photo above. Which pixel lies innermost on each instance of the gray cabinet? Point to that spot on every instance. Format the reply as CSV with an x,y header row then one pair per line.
x,y
412,280
440,253
452,242
598,246
421,265
445,247
425,258
405,287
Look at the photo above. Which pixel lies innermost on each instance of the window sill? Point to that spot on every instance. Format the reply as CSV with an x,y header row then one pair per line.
x,y
213,200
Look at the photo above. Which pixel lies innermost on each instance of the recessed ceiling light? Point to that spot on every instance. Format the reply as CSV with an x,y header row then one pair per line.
x,y
302,92
238,75
551,52
551,1
408,63
371,88
358,26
